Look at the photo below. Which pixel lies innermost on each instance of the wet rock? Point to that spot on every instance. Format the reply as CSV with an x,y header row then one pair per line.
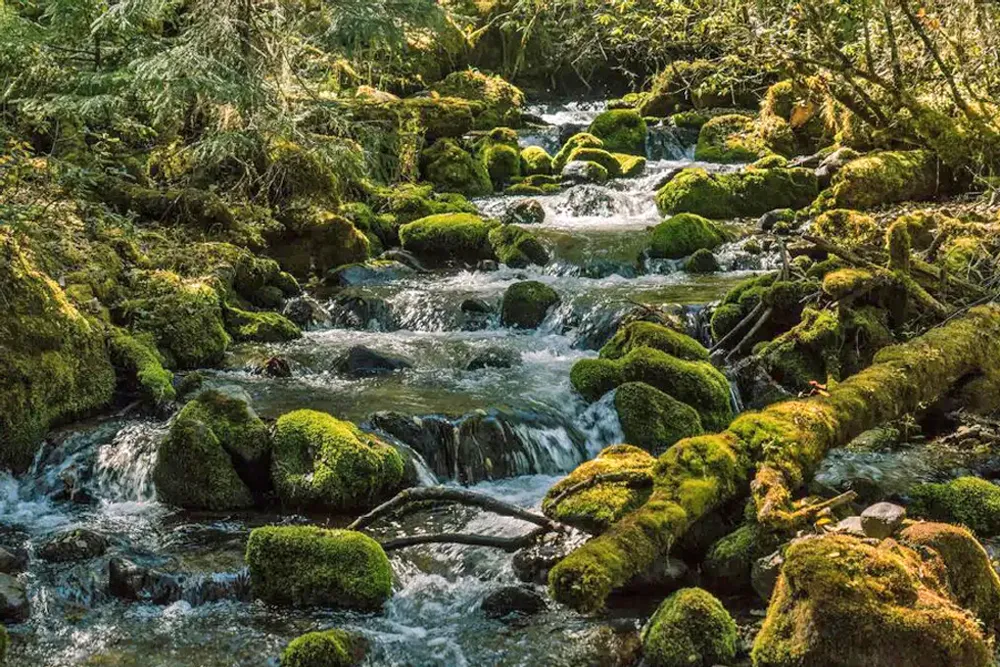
x,y
75,544
757,385
487,265
73,488
578,171
588,201
764,575
275,367
526,212
13,561
478,306
851,525
513,601
833,163
14,607
129,581
408,259
526,304
361,361
432,437
362,311
767,221
494,357
369,273
615,644
667,177
568,131
882,520
532,564
665,576
305,312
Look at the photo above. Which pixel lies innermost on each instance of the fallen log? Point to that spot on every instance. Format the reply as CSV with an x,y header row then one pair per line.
x,y
778,448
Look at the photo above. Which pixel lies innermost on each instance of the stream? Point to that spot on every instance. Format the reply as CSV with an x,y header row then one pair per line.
x,y
98,474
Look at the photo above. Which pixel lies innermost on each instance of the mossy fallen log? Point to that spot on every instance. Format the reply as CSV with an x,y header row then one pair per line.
x,y
778,448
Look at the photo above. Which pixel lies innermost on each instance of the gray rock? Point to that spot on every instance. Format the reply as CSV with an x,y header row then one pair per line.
x,y
12,562
129,581
478,306
767,221
494,357
487,265
882,520
361,361
833,163
579,171
369,273
764,575
851,525
305,311
513,601
14,607
525,212
74,544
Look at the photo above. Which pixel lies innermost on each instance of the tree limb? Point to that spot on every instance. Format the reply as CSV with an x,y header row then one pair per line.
x,y
505,543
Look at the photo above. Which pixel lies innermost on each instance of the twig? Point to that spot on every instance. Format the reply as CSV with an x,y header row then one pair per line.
x,y
751,316
753,332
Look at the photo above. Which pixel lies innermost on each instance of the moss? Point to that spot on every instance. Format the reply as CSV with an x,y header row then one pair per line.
x,y
189,207
190,383
449,237
621,130
883,177
503,163
770,162
702,84
408,202
501,101
329,648
593,172
579,500
297,173
747,193
804,106
525,304
581,140
630,165
258,327
843,282
683,235
440,117
136,359
652,419
195,466
183,316
690,628
315,241
885,599
523,189
784,296
923,227
4,645
535,161
962,255
542,181
849,229
702,261
656,336
53,366
970,501
517,247
696,383
322,462
730,138
451,169
729,561
598,156
305,566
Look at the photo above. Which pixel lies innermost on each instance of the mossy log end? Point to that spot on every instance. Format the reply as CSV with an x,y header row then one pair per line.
x,y
777,449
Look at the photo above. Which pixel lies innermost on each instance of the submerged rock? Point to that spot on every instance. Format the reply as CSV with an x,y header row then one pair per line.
x,y
361,361
516,601
494,357
72,545
129,581
305,312
14,606
369,273
13,561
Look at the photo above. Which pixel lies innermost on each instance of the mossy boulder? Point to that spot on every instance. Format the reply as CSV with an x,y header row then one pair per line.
x,y
525,304
883,177
702,261
970,501
535,161
439,117
315,240
327,648
696,383
579,171
581,140
730,138
503,163
321,462
747,193
654,420
599,156
849,229
690,628
648,334
621,131
184,317
409,201
54,364
630,166
450,168
729,561
438,239
842,601
684,234
305,566
139,366
298,173
212,437
580,501
501,101
259,327
517,247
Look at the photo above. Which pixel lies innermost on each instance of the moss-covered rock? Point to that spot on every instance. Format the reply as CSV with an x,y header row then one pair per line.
x,y
747,193
690,628
892,604
630,165
138,362
581,140
183,316
684,234
970,501
849,229
598,156
439,117
579,171
295,172
730,138
450,168
648,334
517,247
621,130
652,419
702,261
702,84
196,464
315,240
305,566
408,202
323,462
503,163
53,360
500,100
883,177
785,298
581,500
729,561
696,383
535,161
525,304
259,327
439,239
803,105
328,648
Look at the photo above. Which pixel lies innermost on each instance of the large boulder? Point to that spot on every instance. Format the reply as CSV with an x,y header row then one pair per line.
x,y
684,234
581,140
526,304
306,566
315,240
535,161
730,138
970,501
649,334
652,419
449,237
498,102
321,462
450,168
748,193
621,130
883,177
690,628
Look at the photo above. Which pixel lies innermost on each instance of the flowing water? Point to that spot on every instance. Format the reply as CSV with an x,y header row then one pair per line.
x,y
98,474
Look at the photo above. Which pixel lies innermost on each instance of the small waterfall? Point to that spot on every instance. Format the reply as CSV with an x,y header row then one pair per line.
x,y
601,426
665,142
123,470
735,399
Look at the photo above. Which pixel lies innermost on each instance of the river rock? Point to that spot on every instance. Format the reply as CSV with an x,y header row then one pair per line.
x,y
579,171
851,525
767,221
764,575
478,306
14,607
525,212
432,437
525,304
361,361
74,544
494,357
881,520
305,312
129,581
487,265
13,561
362,311
532,563
369,273
588,201
513,601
